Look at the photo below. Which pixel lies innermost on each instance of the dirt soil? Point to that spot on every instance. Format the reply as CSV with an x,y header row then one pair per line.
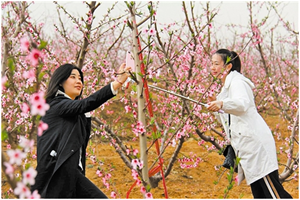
x,y
192,183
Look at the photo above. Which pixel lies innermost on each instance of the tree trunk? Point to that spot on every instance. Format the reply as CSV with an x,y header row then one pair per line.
x,y
141,100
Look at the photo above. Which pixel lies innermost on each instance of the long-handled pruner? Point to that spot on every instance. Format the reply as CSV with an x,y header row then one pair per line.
x,y
181,96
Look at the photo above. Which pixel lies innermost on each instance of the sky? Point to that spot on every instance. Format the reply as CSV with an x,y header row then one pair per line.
x,y
230,11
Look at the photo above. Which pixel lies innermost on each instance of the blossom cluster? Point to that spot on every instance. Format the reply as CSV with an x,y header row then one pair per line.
x,y
143,190
134,151
136,163
15,160
34,55
38,105
187,163
138,129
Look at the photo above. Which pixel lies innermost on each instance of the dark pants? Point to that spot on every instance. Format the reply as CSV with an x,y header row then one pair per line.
x,y
269,187
86,189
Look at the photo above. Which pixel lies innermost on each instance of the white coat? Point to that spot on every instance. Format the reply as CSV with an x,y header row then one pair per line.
x,y
251,137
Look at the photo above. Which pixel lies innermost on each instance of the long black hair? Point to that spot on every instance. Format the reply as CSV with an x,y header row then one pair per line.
x,y
234,59
60,75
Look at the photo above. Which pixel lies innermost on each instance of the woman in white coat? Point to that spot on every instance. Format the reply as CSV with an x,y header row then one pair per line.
x,y
248,133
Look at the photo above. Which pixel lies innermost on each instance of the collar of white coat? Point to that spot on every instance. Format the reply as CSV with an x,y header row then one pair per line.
x,y
236,75
61,92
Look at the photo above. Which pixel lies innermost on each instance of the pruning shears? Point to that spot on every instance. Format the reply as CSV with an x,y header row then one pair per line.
x,y
183,97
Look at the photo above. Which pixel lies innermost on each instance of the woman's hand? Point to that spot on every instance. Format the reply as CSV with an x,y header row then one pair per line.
x,y
215,106
123,74
212,97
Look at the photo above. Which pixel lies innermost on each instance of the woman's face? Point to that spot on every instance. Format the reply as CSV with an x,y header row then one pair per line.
x,y
217,65
73,84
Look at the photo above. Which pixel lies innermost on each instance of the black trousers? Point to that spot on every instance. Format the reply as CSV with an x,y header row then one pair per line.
x,y
269,187
86,189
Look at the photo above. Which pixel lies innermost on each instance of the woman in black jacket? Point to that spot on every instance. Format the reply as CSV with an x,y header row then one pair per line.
x,y
61,149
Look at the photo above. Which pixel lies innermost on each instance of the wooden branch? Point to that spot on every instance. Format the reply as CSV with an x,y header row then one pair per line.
x,y
120,35
83,51
208,139
290,162
110,132
120,148
143,21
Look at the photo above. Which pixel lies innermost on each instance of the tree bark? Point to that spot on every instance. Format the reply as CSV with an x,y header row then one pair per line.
x,y
141,100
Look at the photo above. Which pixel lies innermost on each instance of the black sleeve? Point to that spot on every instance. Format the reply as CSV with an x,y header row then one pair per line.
x,y
68,107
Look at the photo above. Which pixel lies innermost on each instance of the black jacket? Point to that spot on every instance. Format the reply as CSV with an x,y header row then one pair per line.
x,y
68,130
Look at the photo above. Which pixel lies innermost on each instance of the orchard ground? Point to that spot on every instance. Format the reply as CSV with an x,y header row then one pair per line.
x,y
200,182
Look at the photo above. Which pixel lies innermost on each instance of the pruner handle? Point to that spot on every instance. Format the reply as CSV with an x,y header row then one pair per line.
x,y
219,111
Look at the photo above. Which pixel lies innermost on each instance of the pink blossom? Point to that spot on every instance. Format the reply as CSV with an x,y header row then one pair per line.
x,y
30,75
9,169
173,143
38,104
135,152
93,159
105,182
16,156
127,109
135,163
294,90
145,31
141,164
19,121
25,44
143,190
107,176
139,128
99,173
138,182
134,114
236,179
295,167
201,142
29,176
3,82
37,98
127,151
39,109
113,194
148,195
25,108
178,136
134,174
8,146
34,195
25,143
109,112
152,32
42,127
34,56
22,190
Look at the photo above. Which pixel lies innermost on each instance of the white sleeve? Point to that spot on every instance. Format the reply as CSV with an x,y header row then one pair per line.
x,y
112,89
239,99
